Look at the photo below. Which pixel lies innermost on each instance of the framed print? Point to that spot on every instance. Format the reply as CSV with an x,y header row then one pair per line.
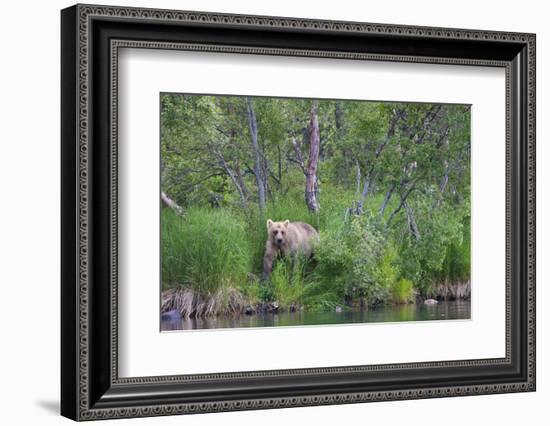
x,y
263,212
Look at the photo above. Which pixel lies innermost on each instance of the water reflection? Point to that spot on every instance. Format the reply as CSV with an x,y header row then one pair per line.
x,y
414,312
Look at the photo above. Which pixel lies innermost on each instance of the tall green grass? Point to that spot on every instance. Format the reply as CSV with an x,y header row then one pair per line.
x,y
456,264
402,291
288,280
294,282
205,249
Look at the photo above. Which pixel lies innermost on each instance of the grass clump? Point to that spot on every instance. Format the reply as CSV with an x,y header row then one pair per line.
x,y
402,291
288,280
206,250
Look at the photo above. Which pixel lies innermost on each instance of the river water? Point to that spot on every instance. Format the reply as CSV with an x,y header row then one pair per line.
x,y
413,312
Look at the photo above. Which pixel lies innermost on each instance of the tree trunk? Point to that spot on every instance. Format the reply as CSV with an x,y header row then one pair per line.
x,y
364,193
279,167
236,178
401,204
445,178
411,221
311,169
386,200
170,203
253,126
339,115
240,181
442,186
298,155
370,176
357,178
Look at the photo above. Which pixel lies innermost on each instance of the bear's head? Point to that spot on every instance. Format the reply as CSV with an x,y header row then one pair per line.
x,y
277,232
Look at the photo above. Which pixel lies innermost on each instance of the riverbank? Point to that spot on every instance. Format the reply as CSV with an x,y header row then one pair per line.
x,y
190,304
450,291
231,302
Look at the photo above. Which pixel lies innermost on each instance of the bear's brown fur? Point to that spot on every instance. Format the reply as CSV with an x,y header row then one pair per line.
x,y
288,238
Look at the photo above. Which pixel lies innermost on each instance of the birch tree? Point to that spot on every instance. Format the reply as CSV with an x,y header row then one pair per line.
x,y
253,128
313,159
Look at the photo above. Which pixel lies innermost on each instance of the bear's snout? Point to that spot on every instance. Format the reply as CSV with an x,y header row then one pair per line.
x,y
279,240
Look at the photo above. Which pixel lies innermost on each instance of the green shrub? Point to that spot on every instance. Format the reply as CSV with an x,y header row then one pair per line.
x,y
386,273
443,251
353,258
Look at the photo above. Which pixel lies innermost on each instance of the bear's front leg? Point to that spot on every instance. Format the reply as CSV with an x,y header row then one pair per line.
x,y
269,258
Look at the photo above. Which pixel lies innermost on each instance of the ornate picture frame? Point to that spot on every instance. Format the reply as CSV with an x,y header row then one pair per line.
x,y
91,37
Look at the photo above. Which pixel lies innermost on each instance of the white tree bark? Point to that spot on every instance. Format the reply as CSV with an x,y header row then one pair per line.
x,y
253,126
170,203
311,169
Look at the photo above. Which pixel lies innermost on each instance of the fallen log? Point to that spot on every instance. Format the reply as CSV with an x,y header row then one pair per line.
x,y
170,203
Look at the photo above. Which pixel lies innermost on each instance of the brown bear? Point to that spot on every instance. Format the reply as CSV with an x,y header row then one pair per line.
x,y
287,238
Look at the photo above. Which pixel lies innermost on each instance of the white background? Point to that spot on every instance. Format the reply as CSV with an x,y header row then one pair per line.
x,y
141,345
29,225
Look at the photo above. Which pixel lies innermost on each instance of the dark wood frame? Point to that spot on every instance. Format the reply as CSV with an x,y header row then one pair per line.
x,y
90,386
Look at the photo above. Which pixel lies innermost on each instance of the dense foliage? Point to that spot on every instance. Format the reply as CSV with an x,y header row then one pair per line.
x,y
386,184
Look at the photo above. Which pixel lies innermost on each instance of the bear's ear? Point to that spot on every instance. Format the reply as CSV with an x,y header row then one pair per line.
x,y
269,223
287,222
